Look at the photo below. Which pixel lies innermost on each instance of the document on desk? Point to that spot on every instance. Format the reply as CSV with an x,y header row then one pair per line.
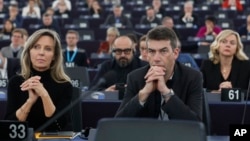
x,y
57,135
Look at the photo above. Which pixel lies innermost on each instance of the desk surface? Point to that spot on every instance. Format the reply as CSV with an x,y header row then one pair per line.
x,y
222,113
209,138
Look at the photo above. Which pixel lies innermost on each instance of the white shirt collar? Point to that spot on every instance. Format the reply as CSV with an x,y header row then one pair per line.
x,y
69,49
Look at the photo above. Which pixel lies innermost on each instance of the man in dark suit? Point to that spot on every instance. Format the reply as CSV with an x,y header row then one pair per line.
x,y
122,63
150,18
117,19
165,89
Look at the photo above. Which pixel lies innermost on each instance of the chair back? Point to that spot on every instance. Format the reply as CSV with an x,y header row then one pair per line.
x,y
206,117
78,73
131,129
76,111
187,60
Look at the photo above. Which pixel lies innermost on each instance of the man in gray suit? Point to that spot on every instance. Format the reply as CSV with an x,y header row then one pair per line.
x,y
15,48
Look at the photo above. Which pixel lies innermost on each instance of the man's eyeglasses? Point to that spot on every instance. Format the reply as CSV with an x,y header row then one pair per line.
x,y
119,51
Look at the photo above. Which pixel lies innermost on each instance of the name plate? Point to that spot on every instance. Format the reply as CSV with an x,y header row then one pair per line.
x,y
231,94
13,130
70,64
3,83
76,83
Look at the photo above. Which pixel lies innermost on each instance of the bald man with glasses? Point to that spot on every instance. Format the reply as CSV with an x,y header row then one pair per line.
x,y
123,62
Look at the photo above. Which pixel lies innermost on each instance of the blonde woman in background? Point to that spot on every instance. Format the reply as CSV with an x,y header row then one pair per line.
x,y
228,66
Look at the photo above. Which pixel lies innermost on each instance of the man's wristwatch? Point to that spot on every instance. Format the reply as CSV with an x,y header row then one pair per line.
x,y
167,95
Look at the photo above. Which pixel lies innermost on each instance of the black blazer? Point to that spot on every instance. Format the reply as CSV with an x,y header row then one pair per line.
x,y
119,74
186,104
239,76
13,67
81,58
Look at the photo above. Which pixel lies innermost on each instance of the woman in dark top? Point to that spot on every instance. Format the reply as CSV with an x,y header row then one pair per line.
x,y
95,9
42,88
228,65
7,29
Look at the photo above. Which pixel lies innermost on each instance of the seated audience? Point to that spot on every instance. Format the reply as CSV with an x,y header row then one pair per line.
x,y
228,66
157,90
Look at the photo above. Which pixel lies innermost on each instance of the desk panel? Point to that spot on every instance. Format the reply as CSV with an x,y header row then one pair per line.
x,y
222,113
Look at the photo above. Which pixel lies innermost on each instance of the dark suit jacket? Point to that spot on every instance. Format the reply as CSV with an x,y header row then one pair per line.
x,y
111,20
13,66
186,104
239,76
80,59
145,21
119,74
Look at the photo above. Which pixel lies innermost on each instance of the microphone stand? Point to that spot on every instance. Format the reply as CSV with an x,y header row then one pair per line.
x,y
245,106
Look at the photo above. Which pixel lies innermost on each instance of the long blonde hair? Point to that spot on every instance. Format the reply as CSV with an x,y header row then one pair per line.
x,y
214,54
56,67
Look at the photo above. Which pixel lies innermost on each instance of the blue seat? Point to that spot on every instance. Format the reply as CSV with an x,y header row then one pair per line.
x,y
188,60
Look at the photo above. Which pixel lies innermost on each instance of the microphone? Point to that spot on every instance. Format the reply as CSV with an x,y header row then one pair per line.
x,y
110,75
102,80
245,106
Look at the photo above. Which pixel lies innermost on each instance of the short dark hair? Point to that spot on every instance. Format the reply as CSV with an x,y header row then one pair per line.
x,y
46,14
18,30
162,33
210,18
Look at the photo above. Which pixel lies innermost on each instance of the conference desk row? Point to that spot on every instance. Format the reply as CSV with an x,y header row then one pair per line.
x,y
222,113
